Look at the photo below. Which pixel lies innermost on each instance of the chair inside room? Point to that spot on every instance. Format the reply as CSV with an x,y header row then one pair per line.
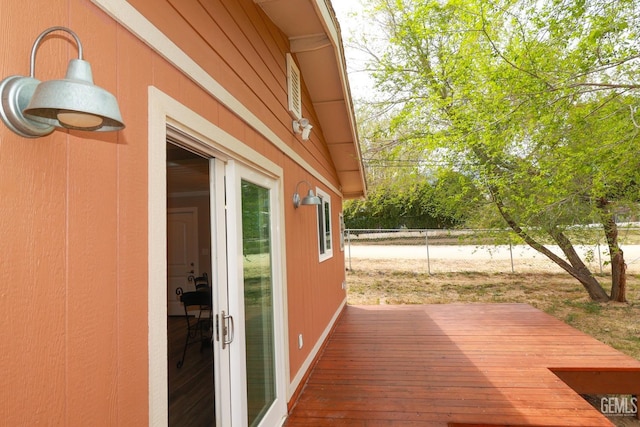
x,y
197,313
201,282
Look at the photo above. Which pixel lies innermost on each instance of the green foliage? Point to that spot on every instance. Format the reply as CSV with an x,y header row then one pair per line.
x,y
414,203
255,219
533,101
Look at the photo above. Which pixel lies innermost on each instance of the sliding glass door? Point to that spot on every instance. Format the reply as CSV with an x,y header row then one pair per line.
x,y
258,300
257,357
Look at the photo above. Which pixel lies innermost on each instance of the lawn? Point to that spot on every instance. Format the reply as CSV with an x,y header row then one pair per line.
x,y
615,324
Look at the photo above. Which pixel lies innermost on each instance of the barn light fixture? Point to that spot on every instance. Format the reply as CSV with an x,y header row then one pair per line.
x,y
33,109
309,199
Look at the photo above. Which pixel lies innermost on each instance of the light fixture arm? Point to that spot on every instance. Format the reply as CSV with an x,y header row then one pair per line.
x,y
309,199
304,181
42,35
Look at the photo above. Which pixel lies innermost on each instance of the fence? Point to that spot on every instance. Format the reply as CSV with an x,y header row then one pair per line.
x,y
442,251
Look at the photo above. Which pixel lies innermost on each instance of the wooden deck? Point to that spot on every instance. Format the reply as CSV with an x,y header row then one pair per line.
x,y
459,364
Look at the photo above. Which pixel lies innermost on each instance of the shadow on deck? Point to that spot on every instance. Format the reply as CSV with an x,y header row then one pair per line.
x,y
459,365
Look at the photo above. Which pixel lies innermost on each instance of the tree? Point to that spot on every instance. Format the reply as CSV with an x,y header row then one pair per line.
x,y
533,100
414,202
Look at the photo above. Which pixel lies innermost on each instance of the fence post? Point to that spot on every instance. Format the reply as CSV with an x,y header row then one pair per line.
x,y
426,238
511,254
349,247
599,258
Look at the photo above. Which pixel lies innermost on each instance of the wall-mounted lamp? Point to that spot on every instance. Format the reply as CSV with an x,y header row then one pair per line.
x,y
302,126
33,109
309,199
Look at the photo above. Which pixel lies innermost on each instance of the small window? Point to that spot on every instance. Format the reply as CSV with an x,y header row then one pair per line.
x,y
325,243
342,230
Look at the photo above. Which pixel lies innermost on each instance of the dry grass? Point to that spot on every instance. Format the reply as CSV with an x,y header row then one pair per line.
x,y
618,325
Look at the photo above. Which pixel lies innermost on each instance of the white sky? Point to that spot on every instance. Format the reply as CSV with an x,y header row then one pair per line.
x,y
351,27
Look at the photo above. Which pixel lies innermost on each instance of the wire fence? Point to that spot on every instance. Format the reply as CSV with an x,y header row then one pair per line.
x,y
496,251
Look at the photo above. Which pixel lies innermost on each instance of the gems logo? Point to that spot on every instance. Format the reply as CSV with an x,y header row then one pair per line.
x,y
619,406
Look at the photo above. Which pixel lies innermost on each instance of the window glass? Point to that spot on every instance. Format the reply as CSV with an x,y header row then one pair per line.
x,y
325,244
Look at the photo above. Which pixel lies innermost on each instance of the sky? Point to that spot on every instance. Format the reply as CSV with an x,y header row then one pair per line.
x,y
351,26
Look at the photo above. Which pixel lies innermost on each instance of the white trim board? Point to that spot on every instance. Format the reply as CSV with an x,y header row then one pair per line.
x,y
126,15
165,112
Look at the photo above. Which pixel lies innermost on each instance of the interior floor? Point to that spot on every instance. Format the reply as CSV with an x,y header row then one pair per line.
x,y
191,394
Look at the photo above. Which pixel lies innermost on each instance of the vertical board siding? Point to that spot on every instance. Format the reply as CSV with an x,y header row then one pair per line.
x,y
314,288
132,383
91,318
73,205
32,238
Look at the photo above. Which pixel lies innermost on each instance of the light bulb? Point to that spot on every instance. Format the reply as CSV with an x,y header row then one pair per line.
x,y
78,120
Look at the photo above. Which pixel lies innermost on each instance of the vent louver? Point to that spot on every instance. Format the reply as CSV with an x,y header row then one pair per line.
x,y
293,88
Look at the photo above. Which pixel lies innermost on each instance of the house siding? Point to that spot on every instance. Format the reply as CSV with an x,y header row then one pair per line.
x,y
73,206
240,48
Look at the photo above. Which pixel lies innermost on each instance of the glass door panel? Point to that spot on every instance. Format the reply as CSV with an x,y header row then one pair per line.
x,y
258,300
192,381
257,354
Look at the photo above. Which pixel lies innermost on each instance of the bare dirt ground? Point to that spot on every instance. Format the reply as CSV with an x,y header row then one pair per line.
x,y
405,281
487,258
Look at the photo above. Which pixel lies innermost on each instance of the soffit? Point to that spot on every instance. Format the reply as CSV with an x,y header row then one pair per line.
x,y
315,39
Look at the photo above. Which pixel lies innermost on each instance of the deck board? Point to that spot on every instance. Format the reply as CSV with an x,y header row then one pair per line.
x,y
454,364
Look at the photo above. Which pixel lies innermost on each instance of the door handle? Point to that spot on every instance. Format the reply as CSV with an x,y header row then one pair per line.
x,y
217,328
228,329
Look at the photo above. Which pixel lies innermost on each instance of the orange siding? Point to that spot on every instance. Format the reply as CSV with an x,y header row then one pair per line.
x,y
314,288
91,321
131,389
33,277
73,206
228,39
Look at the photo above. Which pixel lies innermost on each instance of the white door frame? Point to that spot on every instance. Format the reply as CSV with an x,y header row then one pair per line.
x,y
219,263
206,138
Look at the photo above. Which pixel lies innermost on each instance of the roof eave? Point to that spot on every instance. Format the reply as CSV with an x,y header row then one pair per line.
x,y
314,35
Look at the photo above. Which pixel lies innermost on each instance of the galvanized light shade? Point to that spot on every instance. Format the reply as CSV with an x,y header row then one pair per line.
x,y
75,102
309,199
33,109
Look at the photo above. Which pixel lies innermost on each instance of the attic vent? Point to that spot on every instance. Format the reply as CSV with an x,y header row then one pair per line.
x,y
293,88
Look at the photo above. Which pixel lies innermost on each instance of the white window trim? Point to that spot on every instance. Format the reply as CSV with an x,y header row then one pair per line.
x,y
328,253
342,229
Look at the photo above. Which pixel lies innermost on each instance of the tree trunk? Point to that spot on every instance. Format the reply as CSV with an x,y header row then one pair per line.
x,y
575,267
578,269
618,277
618,266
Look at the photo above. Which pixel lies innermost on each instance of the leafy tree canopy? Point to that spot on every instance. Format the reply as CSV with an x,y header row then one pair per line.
x,y
534,101
444,201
